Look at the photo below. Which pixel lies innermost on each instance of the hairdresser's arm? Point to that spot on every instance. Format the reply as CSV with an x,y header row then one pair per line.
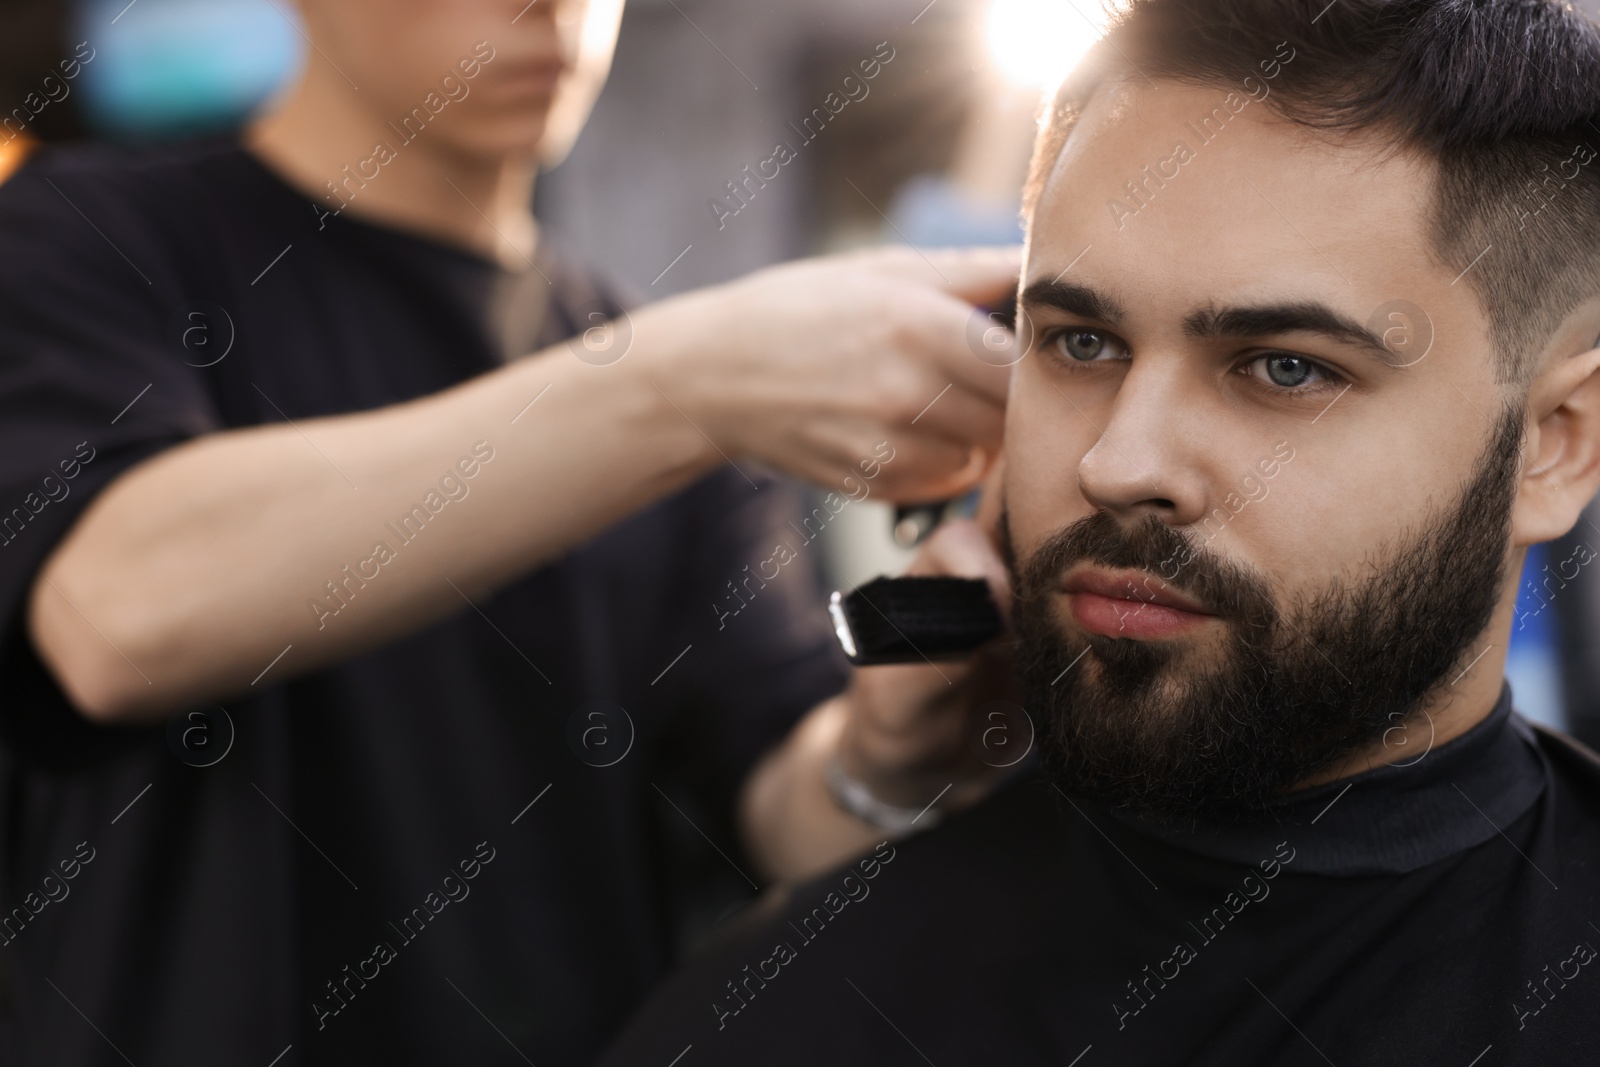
x,y
194,570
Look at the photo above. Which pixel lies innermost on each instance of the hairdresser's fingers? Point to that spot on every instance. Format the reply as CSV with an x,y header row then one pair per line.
x,y
910,730
975,275
904,720
952,331
963,346
897,467
966,417
936,478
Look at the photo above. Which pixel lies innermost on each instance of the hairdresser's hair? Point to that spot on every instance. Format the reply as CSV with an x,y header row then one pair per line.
x,y
1503,96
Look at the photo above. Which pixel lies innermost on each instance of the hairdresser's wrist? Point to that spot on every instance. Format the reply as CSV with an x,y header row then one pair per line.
x,y
643,365
685,342
904,764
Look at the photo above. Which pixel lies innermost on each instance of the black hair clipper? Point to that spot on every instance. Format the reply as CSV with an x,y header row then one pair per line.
x,y
915,620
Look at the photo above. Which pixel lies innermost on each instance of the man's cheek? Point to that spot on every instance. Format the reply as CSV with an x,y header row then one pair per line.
x,y
1035,503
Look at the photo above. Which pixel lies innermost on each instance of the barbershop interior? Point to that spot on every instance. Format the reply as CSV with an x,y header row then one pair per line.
x,y
596,707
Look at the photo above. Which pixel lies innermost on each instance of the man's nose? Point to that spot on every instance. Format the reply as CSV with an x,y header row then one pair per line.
x,y
1149,456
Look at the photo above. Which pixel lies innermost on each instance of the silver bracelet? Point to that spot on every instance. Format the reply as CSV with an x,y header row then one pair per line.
x,y
853,797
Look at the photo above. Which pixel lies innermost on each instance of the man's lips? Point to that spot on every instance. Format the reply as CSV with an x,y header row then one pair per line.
x,y
540,76
1130,604
1130,585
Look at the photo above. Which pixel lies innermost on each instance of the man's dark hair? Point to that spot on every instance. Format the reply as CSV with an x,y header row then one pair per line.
x,y
1503,96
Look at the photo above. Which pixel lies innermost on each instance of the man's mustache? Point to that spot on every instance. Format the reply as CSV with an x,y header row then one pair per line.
x,y
1167,557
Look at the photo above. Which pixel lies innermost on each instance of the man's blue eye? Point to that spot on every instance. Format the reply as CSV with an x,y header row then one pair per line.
x,y
1082,345
1290,372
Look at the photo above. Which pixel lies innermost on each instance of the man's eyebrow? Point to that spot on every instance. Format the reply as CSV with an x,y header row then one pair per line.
x,y
1265,320
1074,299
1306,316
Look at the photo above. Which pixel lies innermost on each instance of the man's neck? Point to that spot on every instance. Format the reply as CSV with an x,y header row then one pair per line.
x,y
323,142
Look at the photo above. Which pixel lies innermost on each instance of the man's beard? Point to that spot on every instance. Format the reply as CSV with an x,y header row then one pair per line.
x,y
1293,692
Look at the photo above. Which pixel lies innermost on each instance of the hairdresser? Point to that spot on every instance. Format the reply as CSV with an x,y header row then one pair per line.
x,y
359,555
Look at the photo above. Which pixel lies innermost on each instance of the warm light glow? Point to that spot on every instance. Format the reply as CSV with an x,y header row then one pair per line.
x,y
1036,43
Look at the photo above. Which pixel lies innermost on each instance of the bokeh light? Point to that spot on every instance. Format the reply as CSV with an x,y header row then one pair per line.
x,y
1036,43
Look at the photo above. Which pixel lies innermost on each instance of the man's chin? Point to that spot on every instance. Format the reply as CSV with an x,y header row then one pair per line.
x,y
1138,726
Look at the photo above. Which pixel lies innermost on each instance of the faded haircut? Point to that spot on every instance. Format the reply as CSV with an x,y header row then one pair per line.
x,y
1501,96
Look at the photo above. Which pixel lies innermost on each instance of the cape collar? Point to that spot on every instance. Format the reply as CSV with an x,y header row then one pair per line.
x,y
1396,818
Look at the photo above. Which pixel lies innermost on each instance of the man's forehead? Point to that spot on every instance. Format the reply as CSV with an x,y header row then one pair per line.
x,y
1200,192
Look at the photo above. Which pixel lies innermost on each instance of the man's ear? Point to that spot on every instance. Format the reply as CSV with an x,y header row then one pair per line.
x,y
991,497
1561,458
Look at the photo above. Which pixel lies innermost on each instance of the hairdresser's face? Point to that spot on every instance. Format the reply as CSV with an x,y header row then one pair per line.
x,y
549,59
1302,476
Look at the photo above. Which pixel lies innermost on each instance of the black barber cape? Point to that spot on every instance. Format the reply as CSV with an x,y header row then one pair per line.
x,y
471,846
1440,913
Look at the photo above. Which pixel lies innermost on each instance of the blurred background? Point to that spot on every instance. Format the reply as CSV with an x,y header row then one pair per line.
x,y
662,190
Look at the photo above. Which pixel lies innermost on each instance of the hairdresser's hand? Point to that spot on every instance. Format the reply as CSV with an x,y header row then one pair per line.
x,y
811,367
910,730
905,731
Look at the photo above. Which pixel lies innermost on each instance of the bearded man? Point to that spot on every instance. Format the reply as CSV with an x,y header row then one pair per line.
x,y
1309,311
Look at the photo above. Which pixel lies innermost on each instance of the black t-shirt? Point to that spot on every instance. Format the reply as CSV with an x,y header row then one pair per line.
x,y
474,845
1442,913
